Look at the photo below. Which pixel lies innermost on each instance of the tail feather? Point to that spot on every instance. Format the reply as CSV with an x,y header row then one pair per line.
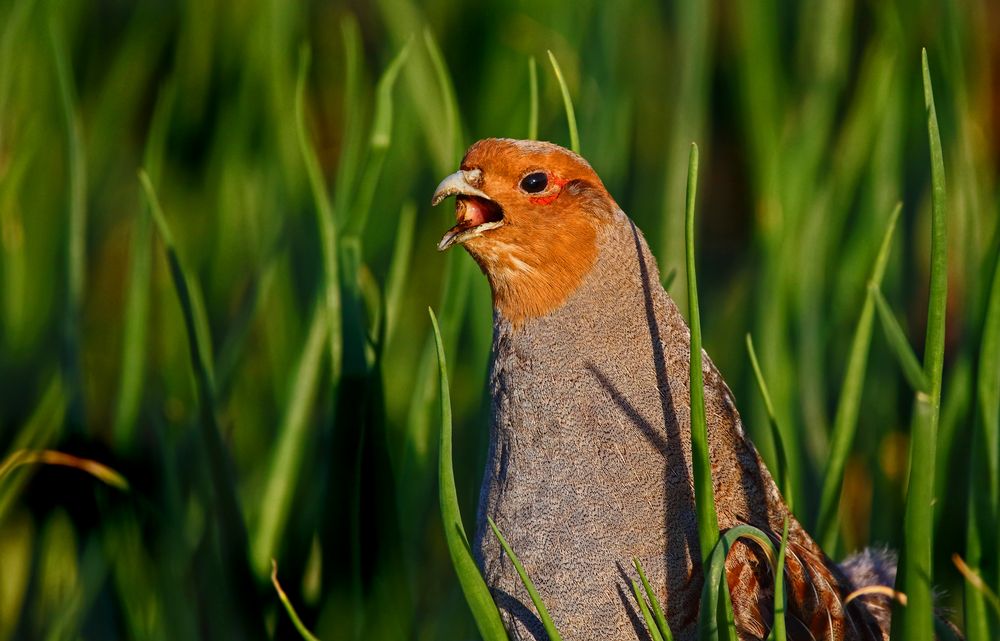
x,y
871,567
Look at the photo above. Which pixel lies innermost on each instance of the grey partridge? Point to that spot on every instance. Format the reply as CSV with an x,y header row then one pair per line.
x,y
589,460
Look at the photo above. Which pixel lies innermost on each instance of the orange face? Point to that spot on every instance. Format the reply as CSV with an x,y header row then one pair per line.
x,y
529,213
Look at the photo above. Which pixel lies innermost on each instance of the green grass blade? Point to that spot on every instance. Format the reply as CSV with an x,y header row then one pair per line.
x,y
456,277
983,473
350,153
708,628
778,632
693,35
76,230
399,268
784,482
574,135
324,221
289,608
452,124
651,626
291,447
381,138
661,619
708,523
225,504
977,583
845,420
900,345
532,99
136,320
669,280
543,613
477,595
988,389
915,622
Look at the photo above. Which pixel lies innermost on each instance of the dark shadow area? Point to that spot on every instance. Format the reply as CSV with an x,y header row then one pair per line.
x,y
521,613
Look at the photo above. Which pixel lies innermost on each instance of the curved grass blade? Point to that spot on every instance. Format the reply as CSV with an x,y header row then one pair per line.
x,y
915,622
289,608
784,482
845,422
574,135
651,626
532,99
900,345
661,619
477,595
98,470
40,430
288,452
543,613
708,628
325,223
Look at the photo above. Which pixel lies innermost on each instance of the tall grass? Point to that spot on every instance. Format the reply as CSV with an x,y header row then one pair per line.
x,y
242,334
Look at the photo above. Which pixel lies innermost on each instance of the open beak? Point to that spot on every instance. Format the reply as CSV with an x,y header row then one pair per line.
x,y
474,210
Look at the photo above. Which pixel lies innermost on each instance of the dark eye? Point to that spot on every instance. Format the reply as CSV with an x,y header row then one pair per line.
x,y
534,183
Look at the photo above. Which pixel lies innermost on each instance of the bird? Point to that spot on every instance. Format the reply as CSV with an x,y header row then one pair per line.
x,y
589,458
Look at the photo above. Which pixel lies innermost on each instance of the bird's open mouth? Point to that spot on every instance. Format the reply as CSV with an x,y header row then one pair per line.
x,y
475,215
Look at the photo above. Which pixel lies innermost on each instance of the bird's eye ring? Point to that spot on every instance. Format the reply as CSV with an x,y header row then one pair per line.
x,y
535,182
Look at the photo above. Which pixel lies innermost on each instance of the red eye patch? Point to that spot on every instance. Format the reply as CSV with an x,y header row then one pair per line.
x,y
548,200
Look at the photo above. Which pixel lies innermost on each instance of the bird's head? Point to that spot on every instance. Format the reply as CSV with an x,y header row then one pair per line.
x,y
529,213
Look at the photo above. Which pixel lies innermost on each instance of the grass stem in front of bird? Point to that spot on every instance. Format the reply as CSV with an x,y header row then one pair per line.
x,y
477,595
778,631
783,479
658,615
708,523
651,625
543,612
715,568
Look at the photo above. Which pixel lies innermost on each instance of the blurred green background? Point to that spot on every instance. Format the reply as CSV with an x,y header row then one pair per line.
x,y
302,425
